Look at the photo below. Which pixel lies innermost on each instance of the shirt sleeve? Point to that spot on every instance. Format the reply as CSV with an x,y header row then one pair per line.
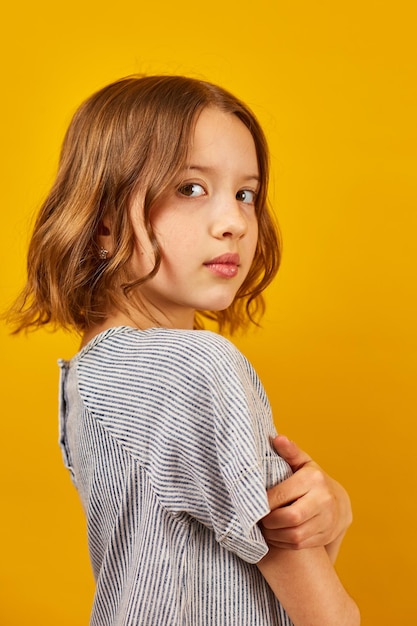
x,y
194,414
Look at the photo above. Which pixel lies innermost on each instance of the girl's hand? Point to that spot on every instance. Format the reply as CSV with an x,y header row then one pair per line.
x,y
309,509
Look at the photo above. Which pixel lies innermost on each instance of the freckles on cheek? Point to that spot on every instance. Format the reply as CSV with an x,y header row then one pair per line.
x,y
176,236
175,252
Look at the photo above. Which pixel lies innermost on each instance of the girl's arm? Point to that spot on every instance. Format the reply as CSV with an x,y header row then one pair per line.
x,y
309,509
308,587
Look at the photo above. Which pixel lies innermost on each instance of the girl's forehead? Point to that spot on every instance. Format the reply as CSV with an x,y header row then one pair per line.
x,y
221,137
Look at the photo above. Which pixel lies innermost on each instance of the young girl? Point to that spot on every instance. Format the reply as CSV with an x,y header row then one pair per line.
x,y
158,219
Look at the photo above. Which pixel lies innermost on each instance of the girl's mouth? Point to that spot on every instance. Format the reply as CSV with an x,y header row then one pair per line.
x,y
225,265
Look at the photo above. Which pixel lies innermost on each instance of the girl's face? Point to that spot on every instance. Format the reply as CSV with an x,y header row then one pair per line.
x,y
206,226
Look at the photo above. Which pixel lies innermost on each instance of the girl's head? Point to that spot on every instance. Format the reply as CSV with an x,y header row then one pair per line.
x,y
128,143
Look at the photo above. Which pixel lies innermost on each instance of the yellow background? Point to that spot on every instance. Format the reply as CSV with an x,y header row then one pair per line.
x,y
334,85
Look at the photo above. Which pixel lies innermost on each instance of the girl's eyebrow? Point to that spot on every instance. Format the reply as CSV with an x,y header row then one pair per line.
x,y
208,169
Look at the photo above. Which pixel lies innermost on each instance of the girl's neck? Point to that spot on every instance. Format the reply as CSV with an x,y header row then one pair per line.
x,y
118,318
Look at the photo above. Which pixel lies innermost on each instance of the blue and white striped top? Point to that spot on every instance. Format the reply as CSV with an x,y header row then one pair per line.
x,y
166,434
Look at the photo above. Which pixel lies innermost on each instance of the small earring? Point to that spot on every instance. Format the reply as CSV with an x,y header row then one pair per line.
x,y
103,253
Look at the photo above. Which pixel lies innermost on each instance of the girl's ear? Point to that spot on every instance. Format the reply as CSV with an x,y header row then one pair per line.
x,y
103,229
104,238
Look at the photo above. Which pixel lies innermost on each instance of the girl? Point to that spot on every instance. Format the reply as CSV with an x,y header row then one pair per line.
x,y
158,219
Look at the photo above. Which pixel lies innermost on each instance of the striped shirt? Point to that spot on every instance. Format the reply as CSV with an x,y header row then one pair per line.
x,y
166,434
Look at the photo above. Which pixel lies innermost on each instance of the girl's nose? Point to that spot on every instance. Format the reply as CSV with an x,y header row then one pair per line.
x,y
230,221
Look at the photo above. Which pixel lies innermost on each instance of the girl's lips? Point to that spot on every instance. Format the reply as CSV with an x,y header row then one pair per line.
x,y
225,265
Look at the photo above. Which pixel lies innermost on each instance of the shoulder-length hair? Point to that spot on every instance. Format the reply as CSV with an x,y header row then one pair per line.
x,y
133,135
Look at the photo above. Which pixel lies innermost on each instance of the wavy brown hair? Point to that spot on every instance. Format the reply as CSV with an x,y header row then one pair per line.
x,y
132,135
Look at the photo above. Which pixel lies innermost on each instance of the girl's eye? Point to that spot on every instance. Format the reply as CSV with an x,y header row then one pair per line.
x,y
191,190
246,195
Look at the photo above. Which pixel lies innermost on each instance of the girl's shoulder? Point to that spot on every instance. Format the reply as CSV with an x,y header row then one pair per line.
x,y
163,345
155,359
